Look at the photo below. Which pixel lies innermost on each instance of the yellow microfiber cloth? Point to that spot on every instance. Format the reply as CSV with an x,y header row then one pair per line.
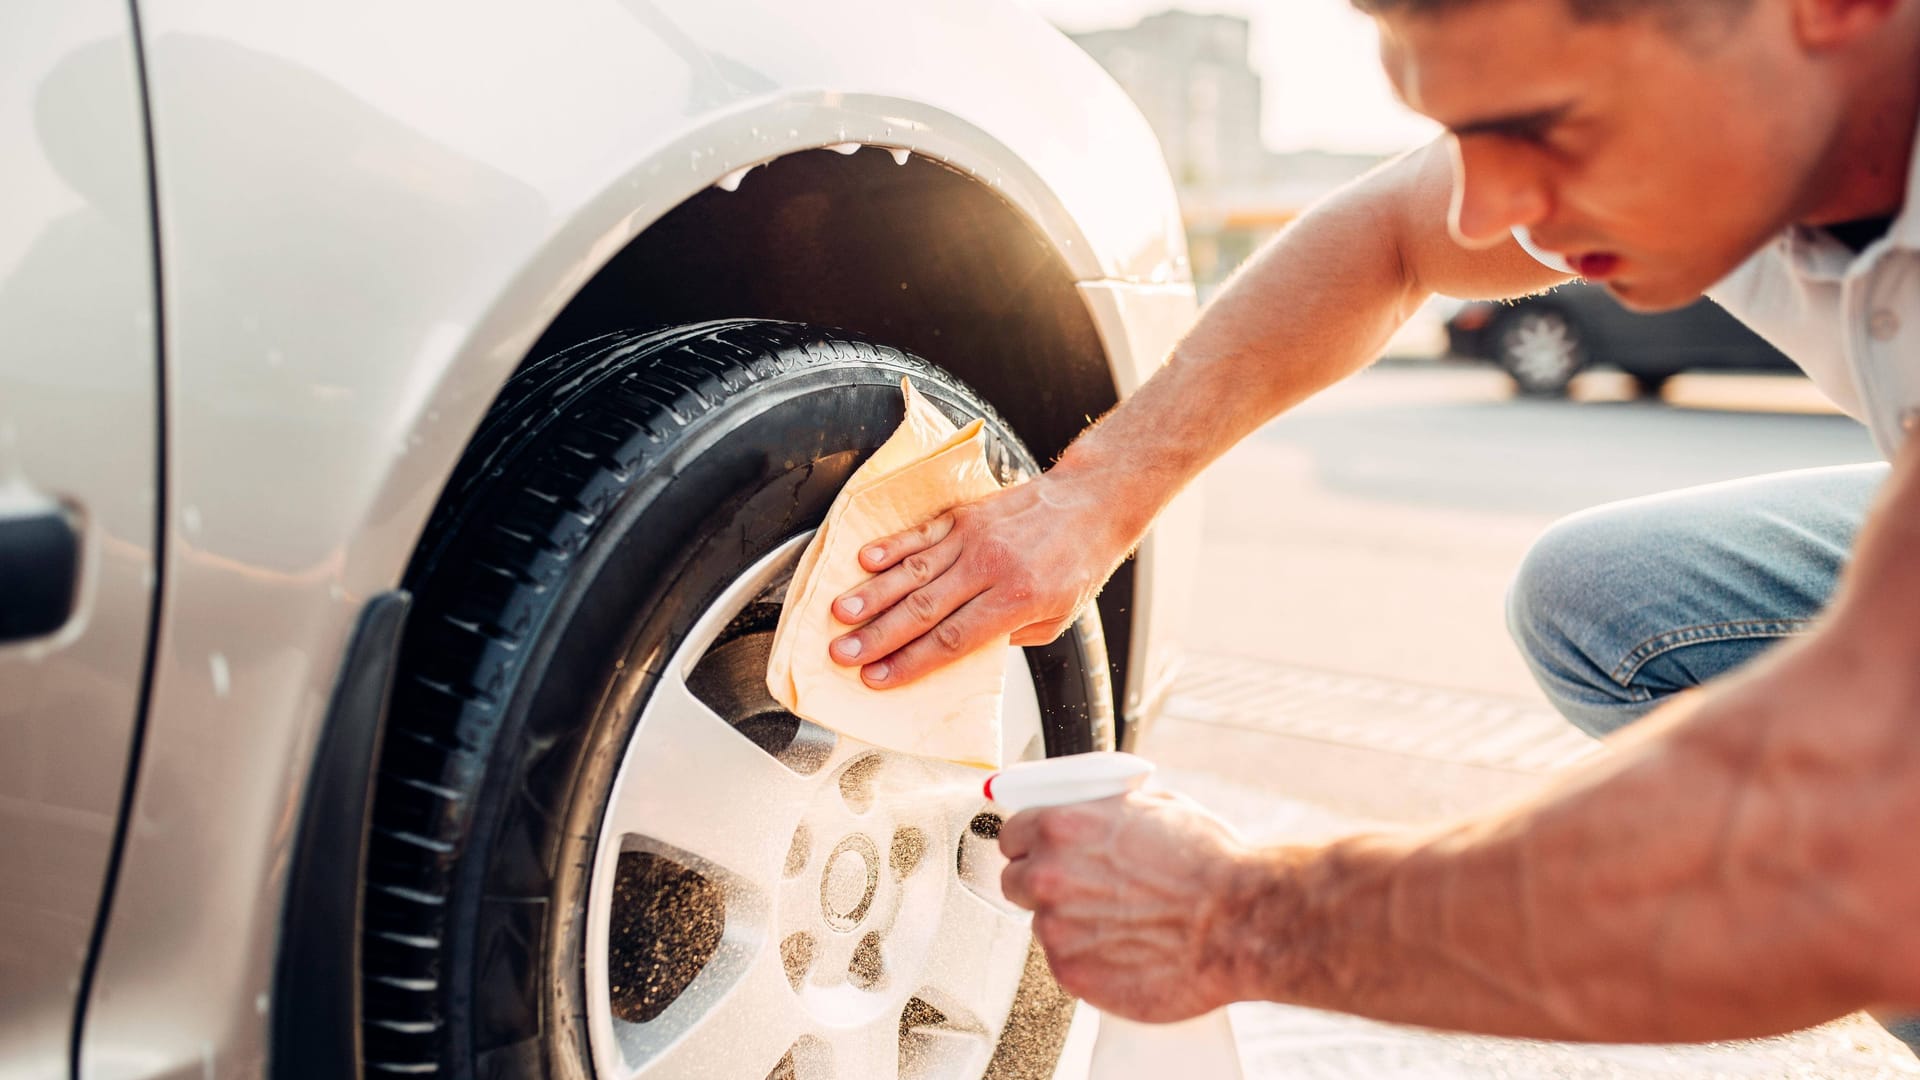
x,y
925,469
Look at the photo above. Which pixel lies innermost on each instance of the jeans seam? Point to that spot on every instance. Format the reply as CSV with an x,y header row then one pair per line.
x,y
1737,629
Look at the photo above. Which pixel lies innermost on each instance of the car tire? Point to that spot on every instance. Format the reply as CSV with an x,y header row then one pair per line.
x,y
593,600
1542,348
1650,384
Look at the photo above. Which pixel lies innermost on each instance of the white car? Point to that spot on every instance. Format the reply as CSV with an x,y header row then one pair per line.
x,y
409,413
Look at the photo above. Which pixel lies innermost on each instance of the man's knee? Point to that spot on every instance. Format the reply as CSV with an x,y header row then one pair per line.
x,y
1565,606
1618,606
1558,590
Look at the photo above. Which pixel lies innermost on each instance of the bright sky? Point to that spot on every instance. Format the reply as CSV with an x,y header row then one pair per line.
x,y
1317,60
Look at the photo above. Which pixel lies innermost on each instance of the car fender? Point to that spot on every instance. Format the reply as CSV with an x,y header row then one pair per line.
x,y
367,213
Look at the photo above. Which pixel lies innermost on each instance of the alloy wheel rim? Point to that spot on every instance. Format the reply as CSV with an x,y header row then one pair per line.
x,y
768,896
1542,349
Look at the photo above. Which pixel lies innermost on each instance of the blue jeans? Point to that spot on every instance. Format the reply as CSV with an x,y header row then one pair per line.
x,y
1617,607
1620,606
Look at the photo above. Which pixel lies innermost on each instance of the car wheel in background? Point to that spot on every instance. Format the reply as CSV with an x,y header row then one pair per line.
x,y
599,848
1541,347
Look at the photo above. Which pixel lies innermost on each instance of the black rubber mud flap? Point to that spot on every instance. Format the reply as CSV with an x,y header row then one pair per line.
x,y
315,1006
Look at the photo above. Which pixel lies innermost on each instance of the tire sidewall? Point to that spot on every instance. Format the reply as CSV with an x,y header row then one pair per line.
x,y
761,467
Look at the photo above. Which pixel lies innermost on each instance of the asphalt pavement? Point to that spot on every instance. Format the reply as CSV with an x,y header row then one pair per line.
x,y
1350,667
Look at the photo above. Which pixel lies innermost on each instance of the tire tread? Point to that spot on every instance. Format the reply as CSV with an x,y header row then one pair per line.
x,y
627,398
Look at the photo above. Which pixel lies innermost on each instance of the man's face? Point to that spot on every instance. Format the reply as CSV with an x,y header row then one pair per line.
x,y
1656,159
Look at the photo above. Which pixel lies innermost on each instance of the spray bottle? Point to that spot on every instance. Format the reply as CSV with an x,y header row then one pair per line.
x,y
1201,1048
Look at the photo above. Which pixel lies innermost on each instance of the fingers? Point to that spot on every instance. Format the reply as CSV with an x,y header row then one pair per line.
x,y
887,550
1020,837
977,575
922,610
879,594
1041,633
1016,884
1019,833
939,642
1031,841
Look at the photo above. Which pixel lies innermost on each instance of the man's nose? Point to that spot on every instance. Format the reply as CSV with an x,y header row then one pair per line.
x,y
1496,188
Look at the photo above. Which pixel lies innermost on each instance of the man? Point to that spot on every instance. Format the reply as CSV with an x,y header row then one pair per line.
x,y
1738,864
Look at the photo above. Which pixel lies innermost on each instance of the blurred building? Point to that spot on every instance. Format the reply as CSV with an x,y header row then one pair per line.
x,y
1192,77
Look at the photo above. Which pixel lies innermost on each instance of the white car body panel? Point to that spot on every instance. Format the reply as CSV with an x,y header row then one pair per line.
x,y
368,212
78,409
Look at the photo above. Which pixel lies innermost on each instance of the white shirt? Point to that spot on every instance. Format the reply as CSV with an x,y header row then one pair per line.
x,y
1851,321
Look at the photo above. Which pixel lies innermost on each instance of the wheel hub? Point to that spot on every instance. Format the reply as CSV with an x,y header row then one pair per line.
x,y
851,879
856,924
1542,349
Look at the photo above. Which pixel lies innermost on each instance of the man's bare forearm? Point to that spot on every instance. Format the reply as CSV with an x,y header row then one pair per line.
x,y
1312,307
1635,905
1738,865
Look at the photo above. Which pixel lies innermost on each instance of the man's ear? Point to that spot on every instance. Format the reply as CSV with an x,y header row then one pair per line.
x,y
1825,24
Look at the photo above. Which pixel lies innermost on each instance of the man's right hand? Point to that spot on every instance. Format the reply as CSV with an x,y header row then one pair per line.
x,y
1021,562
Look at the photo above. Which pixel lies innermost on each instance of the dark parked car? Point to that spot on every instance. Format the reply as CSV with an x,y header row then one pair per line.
x,y
1543,341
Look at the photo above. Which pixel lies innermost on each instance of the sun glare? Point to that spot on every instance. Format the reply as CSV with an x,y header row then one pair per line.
x,y
1322,85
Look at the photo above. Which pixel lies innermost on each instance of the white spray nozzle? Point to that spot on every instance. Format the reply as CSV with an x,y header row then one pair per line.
x,y
1076,778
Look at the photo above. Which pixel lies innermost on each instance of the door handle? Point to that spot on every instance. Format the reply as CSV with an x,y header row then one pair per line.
x,y
39,567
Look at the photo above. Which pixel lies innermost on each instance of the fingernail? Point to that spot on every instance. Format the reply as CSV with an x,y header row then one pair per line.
x,y
847,647
880,671
874,554
853,605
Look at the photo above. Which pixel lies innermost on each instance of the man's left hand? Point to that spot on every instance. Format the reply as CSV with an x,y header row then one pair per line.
x,y
1133,901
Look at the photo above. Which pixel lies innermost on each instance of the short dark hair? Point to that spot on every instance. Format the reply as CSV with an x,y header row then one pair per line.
x,y
1583,10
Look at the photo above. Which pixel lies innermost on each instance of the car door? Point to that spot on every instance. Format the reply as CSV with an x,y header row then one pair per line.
x,y
79,493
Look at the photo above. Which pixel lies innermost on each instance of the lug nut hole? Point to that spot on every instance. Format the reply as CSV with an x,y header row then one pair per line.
x,y
796,952
909,844
798,851
857,782
868,965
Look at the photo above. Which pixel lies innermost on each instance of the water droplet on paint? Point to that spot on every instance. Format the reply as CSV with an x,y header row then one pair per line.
x,y
222,678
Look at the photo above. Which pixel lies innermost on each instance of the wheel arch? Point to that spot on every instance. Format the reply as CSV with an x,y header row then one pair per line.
x,y
1002,279
907,250
449,247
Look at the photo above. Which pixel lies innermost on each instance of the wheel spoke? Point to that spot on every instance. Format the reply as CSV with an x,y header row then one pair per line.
x,y
717,1028
977,960
943,1052
695,784
799,898
869,1051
